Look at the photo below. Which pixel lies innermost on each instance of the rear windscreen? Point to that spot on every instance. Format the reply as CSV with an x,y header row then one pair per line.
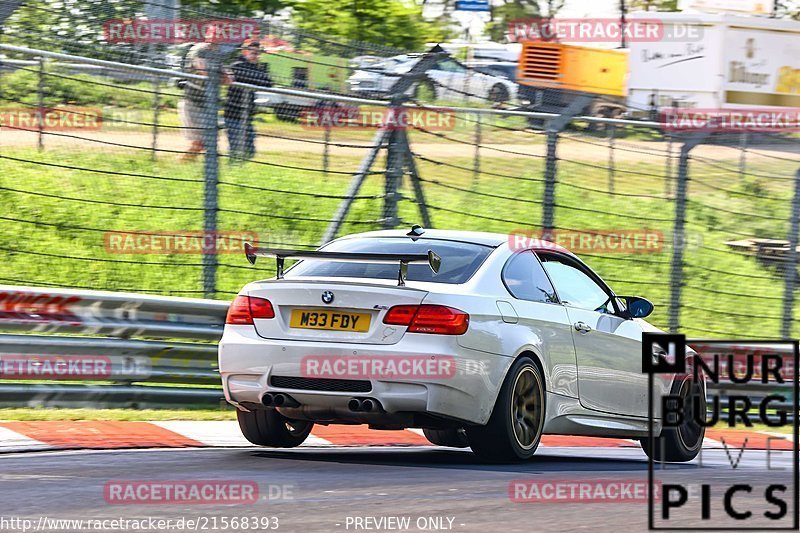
x,y
459,260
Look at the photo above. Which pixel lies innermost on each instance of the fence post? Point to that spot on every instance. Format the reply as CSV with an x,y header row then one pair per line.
x,y
156,105
790,275
679,231
394,173
326,152
612,129
549,184
743,155
355,184
668,169
40,102
554,127
211,175
476,165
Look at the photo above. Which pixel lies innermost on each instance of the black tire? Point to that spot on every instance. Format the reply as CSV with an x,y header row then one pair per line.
x,y
455,438
499,94
267,427
515,427
678,444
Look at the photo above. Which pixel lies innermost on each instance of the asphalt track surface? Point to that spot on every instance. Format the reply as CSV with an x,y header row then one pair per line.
x,y
329,489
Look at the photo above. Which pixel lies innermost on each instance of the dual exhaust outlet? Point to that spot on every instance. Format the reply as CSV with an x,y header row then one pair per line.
x,y
279,400
284,400
363,404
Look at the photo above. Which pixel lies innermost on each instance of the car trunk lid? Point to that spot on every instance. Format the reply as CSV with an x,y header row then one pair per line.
x,y
332,311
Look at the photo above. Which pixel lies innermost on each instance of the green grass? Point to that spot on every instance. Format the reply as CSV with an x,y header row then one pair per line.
x,y
59,240
62,88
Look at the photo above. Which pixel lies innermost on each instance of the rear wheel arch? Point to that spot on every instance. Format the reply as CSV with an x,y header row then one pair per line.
x,y
515,427
537,360
530,353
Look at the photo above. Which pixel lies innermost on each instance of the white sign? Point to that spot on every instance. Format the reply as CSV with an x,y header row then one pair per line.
x,y
762,68
730,67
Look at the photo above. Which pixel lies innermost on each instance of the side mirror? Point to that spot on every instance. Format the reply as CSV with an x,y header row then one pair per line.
x,y
636,307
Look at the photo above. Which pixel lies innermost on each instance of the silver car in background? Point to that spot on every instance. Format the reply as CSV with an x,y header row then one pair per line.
x,y
449,80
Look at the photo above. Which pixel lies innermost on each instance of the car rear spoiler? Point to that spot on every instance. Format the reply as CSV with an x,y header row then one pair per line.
x,y
430,258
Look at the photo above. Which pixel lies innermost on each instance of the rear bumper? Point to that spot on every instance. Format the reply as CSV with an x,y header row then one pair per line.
x,y
463,385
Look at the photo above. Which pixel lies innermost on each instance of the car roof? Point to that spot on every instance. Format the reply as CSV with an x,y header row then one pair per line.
x,y
477,237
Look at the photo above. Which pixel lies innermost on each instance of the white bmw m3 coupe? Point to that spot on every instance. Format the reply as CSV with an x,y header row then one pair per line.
x,y
477,342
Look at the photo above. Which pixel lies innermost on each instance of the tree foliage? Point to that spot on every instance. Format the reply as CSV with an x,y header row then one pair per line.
x,y
652,5
788,9
236,7
512,10
394,23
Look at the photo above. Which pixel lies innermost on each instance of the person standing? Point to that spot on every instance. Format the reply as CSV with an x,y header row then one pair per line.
x,y
192,107
240,104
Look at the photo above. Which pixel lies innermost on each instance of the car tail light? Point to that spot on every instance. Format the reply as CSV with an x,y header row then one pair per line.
x,y
245,308
437,319
400,315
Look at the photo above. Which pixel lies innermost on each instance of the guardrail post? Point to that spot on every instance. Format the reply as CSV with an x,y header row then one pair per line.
x,y
156,105
790,274
40,103
211,176
679,229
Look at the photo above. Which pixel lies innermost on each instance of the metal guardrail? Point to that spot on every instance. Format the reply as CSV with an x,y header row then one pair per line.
x,y
109,368
127,372
124,360
44,310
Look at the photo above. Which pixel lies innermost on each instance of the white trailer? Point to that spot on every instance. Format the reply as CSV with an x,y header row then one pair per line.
x,y
712,61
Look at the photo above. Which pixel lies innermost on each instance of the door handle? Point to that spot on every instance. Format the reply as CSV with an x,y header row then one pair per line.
x,y
583,327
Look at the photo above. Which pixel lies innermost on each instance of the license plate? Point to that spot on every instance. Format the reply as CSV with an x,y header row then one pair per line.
x,y
332,320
